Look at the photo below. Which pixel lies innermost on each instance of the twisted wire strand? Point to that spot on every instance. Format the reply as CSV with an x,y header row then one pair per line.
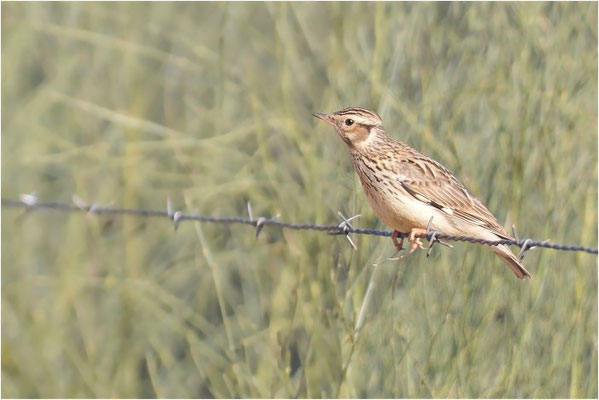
x,y
30,202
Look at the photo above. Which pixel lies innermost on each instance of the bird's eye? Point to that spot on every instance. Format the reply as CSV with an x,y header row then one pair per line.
x,y
349,122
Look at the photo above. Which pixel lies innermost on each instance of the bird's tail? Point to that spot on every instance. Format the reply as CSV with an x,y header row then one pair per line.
x,y
511,260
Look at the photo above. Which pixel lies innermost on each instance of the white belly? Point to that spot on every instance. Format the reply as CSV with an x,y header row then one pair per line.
x,y
399,211
402,212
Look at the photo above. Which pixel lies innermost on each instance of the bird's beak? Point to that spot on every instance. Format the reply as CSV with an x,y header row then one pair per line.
x,y
325,117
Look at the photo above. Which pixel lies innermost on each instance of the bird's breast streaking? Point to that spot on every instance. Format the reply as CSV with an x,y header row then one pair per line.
x,y
406,188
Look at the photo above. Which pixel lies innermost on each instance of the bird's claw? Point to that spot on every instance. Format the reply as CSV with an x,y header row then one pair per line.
x,y
417,243
398,245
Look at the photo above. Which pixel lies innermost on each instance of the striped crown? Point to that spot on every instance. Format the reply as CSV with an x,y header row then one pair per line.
x,y
367,116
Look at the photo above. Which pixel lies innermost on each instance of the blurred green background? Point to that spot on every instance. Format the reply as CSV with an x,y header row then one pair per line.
x,y
210,104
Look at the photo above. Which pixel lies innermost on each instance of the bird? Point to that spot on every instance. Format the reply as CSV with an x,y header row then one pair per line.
x,y
406,189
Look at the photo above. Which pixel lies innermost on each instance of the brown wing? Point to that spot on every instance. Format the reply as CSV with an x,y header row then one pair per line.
x,y
432,183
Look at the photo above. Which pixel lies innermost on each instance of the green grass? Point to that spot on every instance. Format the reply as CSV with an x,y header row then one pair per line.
x,y
210,104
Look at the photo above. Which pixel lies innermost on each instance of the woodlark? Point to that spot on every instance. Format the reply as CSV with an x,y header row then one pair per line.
x,y
405,188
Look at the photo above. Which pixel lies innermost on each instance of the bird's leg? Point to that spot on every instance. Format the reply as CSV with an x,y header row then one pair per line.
x,y
398,245
416,242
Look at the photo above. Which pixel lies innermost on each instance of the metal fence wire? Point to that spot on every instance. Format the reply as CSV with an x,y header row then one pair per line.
x,y
32,203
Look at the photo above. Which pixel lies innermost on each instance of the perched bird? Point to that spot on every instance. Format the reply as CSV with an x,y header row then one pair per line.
x,y
406,188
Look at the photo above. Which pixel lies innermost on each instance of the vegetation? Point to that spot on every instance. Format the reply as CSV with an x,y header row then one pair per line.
x,y
210,104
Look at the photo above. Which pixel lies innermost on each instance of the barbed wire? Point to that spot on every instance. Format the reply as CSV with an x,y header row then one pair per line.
x,y
31,202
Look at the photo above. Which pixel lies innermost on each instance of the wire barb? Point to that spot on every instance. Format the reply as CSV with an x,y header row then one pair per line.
x,y
32,202
250,211
176,216
29,199
348,228
514,233
431,236
79,202
259,225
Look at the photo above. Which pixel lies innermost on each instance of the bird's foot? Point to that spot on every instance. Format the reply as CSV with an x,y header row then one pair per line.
x,y
398,245
414,241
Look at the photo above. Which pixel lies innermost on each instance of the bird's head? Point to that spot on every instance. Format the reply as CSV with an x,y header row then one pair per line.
x,y
354,125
